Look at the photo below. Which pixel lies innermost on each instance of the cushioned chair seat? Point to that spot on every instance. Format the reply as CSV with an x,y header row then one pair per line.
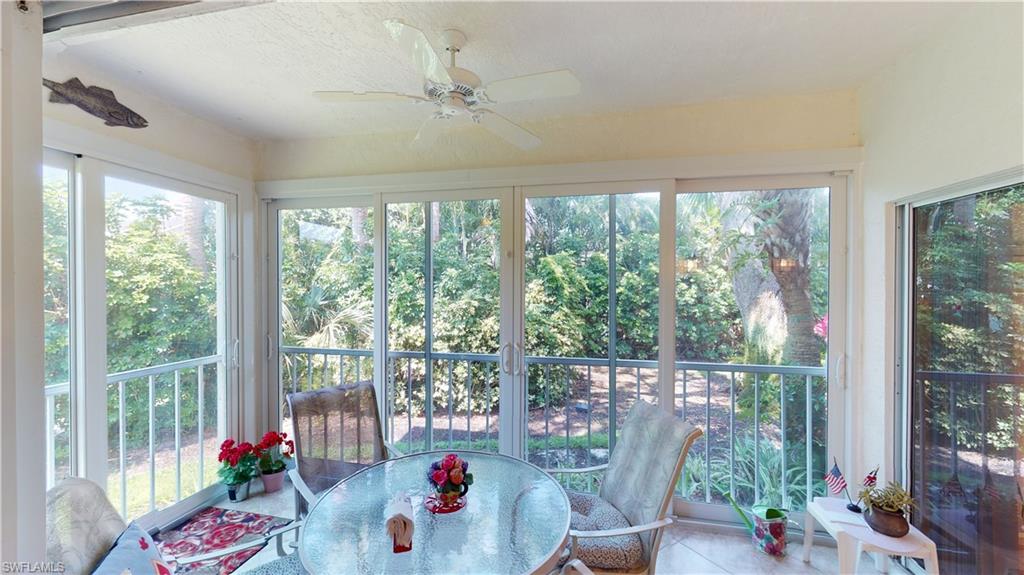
x,y
591,513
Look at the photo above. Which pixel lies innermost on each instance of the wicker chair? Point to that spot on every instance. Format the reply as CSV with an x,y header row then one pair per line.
x,y
619,529
337,432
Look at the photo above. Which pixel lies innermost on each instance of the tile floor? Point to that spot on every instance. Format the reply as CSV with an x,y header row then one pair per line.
x,y
685,550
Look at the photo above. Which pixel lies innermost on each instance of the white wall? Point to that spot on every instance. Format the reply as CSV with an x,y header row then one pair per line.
x,y
783,123
951,110
170,131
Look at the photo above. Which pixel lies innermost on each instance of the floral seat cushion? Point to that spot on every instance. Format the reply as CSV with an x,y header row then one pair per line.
x,y
591,513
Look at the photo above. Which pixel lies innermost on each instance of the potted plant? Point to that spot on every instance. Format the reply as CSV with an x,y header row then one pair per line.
x,y
887,508
239,464
276,451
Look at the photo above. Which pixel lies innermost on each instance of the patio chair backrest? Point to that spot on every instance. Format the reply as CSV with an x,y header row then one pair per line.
x,y
645,466
337,432
81,525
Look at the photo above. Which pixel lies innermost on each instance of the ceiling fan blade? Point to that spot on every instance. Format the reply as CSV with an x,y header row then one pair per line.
x,y
556,84
506,130
414,42
430,131
335,96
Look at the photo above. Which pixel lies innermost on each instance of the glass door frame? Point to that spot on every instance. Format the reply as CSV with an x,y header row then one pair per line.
x,y
66,161
90,391
378,201
274,397
901,232
509,381
665,188
513,392
839,307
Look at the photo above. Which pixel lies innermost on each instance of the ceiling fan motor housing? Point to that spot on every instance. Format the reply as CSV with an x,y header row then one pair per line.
x,y
461,93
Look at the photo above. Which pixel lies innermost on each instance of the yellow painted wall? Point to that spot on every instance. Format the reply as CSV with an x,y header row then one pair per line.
x,y
801,122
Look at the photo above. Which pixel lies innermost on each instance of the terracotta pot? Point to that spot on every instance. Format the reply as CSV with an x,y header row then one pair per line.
x,y
273,481
890,523
238,492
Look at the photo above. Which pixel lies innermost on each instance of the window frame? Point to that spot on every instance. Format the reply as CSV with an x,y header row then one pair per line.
x,y
91,441
840,337
899,368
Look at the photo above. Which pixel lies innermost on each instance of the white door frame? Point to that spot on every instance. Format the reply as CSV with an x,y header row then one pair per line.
x,y
90,290
839,340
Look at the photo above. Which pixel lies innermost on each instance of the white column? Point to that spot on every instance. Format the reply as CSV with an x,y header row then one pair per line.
x,y
22,431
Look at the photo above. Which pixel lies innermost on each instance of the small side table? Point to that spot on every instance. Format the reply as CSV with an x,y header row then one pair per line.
x,y
853,536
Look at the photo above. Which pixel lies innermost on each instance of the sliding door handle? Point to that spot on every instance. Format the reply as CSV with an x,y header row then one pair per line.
x,y
520,359
506,358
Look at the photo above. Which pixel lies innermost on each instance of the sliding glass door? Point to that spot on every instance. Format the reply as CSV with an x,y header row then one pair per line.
x,y
448,346
139,277
324,296
530,320
591,259
58,300
759,335
168,337
965,356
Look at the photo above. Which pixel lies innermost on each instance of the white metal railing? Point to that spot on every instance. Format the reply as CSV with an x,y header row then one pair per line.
x,y
150,374
568,408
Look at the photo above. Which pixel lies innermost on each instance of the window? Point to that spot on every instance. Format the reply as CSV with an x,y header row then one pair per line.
x,y
58,300
138,358
965,375
591,321
326,298
529,320
754,296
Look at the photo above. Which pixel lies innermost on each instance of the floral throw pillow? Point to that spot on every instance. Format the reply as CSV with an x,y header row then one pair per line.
x,y
134,553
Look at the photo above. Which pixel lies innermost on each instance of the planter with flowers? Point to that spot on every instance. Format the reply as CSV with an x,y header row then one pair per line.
x,y
451,480
887,508
275,451
239,465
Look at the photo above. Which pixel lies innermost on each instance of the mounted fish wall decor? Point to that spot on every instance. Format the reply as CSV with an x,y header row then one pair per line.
x,y
99,102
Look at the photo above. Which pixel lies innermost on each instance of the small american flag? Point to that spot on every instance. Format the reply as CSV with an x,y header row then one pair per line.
x,y
872,478
835,480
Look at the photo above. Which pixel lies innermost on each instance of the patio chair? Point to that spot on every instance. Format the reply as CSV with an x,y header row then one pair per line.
x,y
337,432
82,526
619,529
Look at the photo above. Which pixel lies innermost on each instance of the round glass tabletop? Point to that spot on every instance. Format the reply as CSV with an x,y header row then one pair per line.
x,y
516,520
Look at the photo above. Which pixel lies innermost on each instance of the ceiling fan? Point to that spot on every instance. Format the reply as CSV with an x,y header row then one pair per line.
x,y
458,94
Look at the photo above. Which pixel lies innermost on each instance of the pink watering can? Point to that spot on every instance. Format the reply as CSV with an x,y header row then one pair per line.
x,y
768,530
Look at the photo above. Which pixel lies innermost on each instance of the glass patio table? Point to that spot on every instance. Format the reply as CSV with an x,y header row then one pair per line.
x,y
516,520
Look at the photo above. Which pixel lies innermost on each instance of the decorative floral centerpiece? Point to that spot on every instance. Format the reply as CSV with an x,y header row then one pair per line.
x,y
239,464
451,479
275,451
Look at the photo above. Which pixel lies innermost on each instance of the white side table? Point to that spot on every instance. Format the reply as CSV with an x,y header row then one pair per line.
x,y
853,536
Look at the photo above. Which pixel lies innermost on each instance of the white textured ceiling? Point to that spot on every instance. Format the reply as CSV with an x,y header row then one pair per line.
x,y
252,69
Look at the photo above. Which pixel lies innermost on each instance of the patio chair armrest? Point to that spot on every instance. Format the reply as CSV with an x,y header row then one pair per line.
x,y
392,451
301,487
663,522
591,469
236,548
